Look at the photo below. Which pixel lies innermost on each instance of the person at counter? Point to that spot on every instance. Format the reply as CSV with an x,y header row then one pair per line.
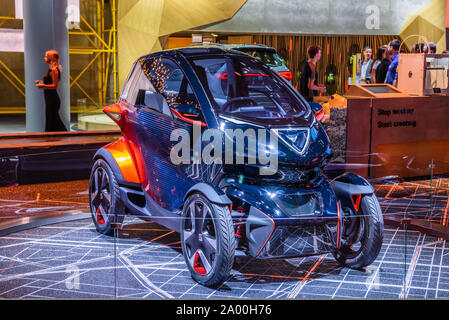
x,y
382,68
365,75
422,48
419,48
379,57
308,84
392,74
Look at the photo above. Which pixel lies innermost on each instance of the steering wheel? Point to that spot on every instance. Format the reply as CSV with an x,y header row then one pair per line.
x,y
228,103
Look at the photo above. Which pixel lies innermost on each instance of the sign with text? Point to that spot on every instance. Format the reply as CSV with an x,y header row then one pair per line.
x,y
398,136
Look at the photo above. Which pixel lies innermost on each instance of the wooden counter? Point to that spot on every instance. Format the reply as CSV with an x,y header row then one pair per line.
x,y
48,157
398,136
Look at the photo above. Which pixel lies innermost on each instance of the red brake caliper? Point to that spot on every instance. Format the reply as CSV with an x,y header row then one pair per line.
x,y
100,218
196,265
356,201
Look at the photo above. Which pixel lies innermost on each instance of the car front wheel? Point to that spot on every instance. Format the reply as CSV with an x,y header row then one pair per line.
x,y
362,234
208,240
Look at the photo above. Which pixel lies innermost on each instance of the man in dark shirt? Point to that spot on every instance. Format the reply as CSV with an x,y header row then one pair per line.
x,y
308,84
392,74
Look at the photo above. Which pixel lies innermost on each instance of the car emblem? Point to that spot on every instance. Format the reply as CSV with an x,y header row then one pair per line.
x,y
292,137
297,138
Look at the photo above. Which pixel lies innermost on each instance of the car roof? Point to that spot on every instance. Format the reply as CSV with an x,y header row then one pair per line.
x,y
254,47
237,46
191,52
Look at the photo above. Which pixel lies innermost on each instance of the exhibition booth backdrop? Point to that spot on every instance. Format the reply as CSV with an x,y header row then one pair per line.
x,y
96,61
336,57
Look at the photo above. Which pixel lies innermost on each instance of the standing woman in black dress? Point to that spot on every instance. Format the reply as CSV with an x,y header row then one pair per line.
x,y
52,102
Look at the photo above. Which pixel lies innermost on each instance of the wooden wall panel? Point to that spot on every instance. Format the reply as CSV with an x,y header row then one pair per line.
x,y
358,135
335,50
402,135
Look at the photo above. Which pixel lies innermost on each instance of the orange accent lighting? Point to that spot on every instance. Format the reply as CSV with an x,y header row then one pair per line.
x,y
184,117
319,114
287,75
445,212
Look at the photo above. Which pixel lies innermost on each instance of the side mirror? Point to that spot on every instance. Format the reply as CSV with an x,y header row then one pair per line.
x,y
317,109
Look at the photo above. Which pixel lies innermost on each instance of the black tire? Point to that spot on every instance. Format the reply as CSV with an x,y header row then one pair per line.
x,y
104,198
362,246
208,240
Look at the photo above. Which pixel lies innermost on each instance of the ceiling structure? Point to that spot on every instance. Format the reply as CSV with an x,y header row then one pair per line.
x,y
338,17
144,24
429,21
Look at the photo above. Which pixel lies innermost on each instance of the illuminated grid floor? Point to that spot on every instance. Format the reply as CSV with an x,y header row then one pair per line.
x,y
146,262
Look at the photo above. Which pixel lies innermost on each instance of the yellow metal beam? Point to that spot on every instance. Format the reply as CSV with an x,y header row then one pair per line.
x,y
114,47
12,74
85,69
86,35
88,51
102,45
106,73
81,33
92,29
85,93
7,18
12,82
100,62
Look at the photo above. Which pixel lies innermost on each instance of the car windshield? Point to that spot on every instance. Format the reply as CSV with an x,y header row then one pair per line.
x,y
268,57
244,87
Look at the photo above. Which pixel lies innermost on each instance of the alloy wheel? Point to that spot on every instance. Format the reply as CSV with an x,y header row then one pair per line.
x,y
200,237
100,194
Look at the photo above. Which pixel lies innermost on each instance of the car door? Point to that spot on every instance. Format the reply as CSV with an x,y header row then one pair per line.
x,y
161,99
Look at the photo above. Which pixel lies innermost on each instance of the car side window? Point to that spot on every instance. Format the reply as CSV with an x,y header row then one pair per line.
x,y
137,87
171,82
127,86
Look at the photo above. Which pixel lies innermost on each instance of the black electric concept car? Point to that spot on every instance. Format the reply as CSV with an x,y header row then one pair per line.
x,y
220,148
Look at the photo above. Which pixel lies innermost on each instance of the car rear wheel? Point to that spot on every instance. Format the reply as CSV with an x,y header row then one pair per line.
x,y
208,240
362,234
104,198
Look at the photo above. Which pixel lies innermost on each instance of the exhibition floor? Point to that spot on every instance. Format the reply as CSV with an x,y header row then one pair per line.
x,y
13,123
145,260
